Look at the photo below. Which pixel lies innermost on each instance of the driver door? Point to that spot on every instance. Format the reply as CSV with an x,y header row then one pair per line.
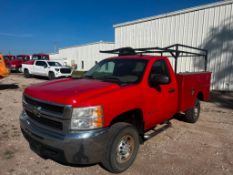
x,y
161,100
41,68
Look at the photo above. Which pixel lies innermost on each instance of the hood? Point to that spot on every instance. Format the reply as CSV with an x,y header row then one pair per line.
x,y
69,91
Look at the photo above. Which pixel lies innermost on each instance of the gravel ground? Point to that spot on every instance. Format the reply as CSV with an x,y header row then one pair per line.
x,y
202,148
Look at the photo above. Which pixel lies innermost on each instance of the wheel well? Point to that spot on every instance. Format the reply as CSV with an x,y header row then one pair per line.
x,y
200,96
134,117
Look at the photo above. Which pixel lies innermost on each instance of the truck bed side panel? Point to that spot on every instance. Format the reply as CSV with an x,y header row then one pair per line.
x,y
190,85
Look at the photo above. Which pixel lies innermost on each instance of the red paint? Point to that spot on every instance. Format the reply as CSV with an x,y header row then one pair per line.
x,y
156,105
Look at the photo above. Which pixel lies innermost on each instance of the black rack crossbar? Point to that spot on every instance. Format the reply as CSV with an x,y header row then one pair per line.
x,y
176,51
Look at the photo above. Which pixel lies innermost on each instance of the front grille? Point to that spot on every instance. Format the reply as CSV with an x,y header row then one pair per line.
x,y
65,70
45,106
45,121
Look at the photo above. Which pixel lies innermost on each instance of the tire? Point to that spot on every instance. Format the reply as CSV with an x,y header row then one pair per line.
x,y
51,76
122,148
26,73
192,115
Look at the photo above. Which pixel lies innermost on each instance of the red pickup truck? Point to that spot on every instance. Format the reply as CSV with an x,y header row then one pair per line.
x,y
16,64
105,115
8,59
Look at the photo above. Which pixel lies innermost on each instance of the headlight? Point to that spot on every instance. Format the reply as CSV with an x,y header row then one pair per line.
x,y
57,69
87,118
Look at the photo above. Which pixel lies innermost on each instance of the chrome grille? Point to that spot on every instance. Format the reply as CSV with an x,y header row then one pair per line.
x,y
45,121
47,114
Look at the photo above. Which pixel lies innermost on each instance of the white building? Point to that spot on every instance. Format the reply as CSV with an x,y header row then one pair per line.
x,y
209,27
84,56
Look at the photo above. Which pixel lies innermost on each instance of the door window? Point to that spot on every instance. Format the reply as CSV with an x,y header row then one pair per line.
x,y
159,68
41,63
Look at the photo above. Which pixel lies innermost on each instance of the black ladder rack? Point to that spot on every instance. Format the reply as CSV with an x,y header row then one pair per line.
x,y
176,51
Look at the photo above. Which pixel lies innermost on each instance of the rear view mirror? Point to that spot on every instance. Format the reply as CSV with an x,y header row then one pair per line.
x,y
159,79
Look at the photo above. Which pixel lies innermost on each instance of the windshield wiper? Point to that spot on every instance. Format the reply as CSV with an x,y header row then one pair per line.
x,y
113,80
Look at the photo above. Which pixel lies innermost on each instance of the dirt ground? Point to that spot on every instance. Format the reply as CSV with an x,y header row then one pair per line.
x,y
202,148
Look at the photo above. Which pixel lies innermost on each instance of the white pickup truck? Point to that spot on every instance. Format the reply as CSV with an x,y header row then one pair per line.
x,y
46,68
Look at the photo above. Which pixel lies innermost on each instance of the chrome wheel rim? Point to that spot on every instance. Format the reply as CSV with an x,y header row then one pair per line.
x,y
125,149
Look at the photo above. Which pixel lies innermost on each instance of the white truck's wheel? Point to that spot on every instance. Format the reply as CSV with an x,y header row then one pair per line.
x,y
51,76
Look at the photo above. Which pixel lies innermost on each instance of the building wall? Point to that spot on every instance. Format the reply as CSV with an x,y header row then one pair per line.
x,y
57,57
209,27
88,54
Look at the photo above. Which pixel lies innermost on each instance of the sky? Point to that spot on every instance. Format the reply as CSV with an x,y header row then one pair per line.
x,y
32,26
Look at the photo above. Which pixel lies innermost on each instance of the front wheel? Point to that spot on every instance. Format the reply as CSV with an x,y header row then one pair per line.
x,y
51,75
122,148
192,115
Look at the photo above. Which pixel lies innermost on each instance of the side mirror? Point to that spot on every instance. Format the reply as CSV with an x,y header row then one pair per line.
x,y
45,66
159,79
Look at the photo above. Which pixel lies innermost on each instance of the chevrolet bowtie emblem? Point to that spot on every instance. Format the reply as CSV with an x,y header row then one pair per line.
x,y
36,111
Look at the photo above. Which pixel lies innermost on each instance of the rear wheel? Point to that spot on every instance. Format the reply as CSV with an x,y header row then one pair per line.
x,y
192,115
122,148
51,75
26,73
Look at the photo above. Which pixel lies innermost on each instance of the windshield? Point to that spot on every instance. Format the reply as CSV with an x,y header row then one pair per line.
x,y
54,64
40,57
121,71
19,57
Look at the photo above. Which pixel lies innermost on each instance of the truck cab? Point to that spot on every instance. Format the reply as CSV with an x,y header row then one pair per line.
x,y
103,116
39,56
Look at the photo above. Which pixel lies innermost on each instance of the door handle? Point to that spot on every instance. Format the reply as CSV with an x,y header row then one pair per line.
x,y
171,90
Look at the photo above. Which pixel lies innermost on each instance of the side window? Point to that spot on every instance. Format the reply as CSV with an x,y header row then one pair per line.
x,y
41,63
159,68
